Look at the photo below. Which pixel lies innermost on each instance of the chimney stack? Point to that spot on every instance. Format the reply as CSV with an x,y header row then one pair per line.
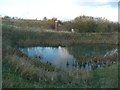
x,y
56,25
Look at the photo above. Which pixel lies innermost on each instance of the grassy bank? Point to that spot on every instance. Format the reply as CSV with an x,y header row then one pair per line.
x,y
34,38
102,78
106,78
21,71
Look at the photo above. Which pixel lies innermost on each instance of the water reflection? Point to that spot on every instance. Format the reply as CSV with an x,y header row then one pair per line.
x,y
69,58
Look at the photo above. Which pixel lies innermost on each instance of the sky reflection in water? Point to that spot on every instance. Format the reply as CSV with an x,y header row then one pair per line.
x,y
66,57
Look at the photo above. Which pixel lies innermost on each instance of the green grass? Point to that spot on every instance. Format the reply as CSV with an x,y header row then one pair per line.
x,y
106,78
102,78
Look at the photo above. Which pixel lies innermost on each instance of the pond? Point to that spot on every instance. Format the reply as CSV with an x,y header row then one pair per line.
x,y
72,57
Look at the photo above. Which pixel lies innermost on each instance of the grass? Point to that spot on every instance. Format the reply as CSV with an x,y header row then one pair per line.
x,y
106,78
102,78
31,73
33,38
20,71
30,23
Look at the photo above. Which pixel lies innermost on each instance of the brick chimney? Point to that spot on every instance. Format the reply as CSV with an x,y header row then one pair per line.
x,y
56,25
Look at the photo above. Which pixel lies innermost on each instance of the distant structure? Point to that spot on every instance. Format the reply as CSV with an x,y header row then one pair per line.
x,y
72,30
56,25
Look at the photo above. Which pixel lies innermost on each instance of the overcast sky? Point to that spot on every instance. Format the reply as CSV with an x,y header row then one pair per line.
x,y
62,9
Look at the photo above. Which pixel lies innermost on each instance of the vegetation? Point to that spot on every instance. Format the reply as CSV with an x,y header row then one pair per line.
x,y
91,24
99,78
21,71
23,37
79,24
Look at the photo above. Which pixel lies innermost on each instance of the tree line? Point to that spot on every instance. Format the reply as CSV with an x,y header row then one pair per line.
x,y
91,24
79,24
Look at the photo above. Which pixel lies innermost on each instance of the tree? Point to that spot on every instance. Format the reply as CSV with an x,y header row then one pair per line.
x,y
45,18
6,17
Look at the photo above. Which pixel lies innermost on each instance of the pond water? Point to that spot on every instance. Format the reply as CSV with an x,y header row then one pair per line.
x,y
70,58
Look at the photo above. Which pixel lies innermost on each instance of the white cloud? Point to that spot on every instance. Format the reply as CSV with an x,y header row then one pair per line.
x,y
102,11
62,9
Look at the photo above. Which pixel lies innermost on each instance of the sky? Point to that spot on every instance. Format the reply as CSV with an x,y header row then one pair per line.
x,y
61,9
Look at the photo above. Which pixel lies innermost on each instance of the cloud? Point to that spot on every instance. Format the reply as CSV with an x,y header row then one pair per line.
x,y
62,9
